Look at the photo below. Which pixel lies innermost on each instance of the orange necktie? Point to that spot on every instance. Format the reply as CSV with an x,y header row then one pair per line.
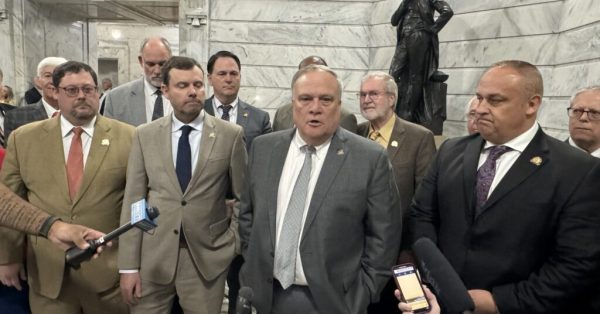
x,y
75,163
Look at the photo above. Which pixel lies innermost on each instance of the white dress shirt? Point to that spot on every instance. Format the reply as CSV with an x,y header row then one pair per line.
x,y
289,175
505,162
232,112
49,109
86,137
150,97
195,136
595,153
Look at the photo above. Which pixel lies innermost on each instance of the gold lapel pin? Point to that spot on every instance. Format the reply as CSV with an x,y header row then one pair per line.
x,y
340,151
211,135
245,115
537,160
105,142
394,144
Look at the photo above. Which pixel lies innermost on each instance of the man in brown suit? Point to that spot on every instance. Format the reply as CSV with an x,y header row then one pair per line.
x,y
73,167
410,148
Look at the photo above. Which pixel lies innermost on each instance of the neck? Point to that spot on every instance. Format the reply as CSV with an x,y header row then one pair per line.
x,y
186,118
226,100
377,124
53,103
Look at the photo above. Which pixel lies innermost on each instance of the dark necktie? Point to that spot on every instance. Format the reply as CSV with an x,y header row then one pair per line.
x,y
158,106
226,109
487,172
75,163
287,246
183,165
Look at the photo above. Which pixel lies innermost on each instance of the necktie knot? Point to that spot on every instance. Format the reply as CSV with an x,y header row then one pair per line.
x,y
186,130
308,149
225,109
158,92
77,131
497,151
374,135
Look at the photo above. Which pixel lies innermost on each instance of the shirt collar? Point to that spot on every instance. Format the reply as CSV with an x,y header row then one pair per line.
x,y
320,151
218,103
49,109
595,153
520,142
149,88
196,123
386,130
66,126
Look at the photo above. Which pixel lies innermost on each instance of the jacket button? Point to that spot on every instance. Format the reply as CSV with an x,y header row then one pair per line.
x,y
176,231
183,203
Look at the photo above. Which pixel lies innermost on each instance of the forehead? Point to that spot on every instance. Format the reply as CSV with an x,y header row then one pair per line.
x,y
226,63
154,51
372,83
589,98
316,82
500,80
81,78
179,75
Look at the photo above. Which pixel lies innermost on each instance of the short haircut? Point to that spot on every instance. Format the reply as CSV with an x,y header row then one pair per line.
x,y
469,103
49,61
390,84
532,79
106,79
593,88
179,63
311,60
317,68
221,54
72,67
163,40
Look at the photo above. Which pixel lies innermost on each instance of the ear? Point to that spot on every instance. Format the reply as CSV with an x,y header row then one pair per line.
x,y
141,61
534,104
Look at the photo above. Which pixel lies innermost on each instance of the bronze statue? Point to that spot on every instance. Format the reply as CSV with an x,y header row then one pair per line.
x,y
415,62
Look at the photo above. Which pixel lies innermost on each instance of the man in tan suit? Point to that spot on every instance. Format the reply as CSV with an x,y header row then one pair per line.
x,y
410,148
185,165
73,167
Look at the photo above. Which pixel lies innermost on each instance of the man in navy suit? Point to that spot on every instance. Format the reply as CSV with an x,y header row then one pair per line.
x,y
514,210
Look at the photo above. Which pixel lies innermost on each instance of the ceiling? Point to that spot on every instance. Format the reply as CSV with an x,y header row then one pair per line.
x,y
139,11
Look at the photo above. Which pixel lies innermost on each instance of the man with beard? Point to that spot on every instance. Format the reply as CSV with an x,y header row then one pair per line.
x,y
72,167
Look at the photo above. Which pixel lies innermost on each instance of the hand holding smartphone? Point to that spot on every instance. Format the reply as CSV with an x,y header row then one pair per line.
x,y
408,282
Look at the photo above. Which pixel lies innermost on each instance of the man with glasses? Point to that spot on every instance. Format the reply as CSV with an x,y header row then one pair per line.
x,y
410,148
73,167
584,120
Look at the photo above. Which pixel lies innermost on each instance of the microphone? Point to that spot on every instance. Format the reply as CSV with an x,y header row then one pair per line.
x,y
141,217
445,282
244,301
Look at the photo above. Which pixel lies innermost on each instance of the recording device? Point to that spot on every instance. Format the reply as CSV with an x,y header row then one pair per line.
x,y
443,279
244,301
408,282
141,217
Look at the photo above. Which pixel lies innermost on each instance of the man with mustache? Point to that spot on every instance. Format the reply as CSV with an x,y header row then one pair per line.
x,y
141,101
73,167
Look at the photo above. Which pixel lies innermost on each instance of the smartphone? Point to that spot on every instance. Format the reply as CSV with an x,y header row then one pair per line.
x,y
408,282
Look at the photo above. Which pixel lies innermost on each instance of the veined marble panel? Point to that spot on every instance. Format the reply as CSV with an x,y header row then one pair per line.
x,y
290,34
454,128
510,22
382,35
281,77
279,55
461,6
553,113
538,49
381,58
306,12
382,11
456,107
579,44
579,12
565,80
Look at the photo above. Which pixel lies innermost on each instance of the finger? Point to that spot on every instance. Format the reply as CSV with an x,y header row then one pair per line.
x,y
138,289
17,283
22,274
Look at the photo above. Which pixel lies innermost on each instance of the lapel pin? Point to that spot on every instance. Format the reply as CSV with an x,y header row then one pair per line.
x,y
340,152
537,160
394,144
245,115
105,142
211,135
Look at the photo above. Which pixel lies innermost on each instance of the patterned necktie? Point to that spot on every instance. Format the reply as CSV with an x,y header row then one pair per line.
x,y
487,172
376,137
75,163
226,109
287,247
158,106
183,165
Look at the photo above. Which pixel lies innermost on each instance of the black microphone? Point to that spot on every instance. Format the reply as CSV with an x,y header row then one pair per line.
x,y
445,282
142,219
244,301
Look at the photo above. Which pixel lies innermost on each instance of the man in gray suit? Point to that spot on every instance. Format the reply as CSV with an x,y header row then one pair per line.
x,y
339,208
283,115
45,108
141,101
409,146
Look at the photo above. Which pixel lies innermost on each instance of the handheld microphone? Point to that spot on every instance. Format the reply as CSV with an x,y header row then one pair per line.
x,y
445,282
244,301
141,217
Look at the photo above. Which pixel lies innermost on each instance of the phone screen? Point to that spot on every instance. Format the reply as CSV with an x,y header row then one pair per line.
x,y
409,284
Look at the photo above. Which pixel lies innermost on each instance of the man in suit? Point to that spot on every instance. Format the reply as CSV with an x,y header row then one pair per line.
x,y
339,208
514,210
283,116
410,148
584,120
33,94
141,101
46,107
80,179
4,108
185,165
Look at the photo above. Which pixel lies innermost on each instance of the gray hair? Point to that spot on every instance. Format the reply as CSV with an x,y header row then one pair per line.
x,y
390,84
163,40
317,68
49,61
593,88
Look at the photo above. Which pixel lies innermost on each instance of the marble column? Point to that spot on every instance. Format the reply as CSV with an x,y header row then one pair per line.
x,y
193,29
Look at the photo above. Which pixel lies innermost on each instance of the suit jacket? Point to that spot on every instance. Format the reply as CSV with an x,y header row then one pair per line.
x,y
534,243
32,96
253,120
283,119
127,103
210,228
23,115
352,230
43,182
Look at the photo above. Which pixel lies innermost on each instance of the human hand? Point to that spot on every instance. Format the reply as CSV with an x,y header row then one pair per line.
x,y
11,273
131,288
406,308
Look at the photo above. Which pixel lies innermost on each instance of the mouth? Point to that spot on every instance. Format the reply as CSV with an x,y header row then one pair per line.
x,y
314,123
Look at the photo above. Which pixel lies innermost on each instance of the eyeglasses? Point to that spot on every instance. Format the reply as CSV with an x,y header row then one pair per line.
x,y
576,113
374,95
73,91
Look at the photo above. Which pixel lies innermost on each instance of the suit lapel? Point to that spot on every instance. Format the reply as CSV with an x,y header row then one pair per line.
x,y
277,160
470,162
242,114
208,106
137,100
207,144
336,155
396,139
164,140
51,143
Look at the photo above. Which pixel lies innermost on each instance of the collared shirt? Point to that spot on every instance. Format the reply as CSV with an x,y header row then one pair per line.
x,y
86,137
507,160
595,153
150,98
232,112
384,134
289,175
49,109
195,136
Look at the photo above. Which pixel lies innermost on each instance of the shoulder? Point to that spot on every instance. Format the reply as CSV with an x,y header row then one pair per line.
x,y
414,128
127,87
116,125
254,110
223,126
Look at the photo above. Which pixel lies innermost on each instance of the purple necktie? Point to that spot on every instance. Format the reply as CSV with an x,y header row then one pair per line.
x,y
486,173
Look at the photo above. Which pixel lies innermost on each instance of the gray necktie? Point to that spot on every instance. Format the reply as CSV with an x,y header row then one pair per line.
x,y
287,247
158,106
